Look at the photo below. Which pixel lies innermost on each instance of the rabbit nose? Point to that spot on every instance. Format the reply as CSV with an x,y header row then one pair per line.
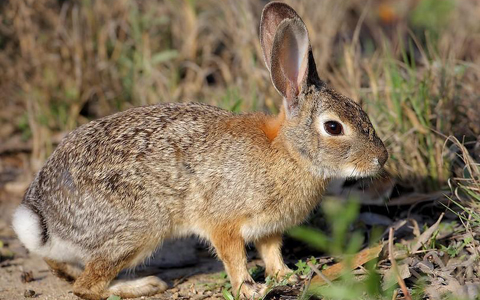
x,y
382,158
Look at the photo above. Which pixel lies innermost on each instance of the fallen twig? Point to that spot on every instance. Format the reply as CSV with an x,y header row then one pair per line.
x,y
318,272
391,255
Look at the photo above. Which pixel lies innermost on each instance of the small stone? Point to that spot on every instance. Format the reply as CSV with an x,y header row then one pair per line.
x,y
27,277
29,293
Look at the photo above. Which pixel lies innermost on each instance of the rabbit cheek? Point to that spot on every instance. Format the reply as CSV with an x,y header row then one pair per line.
x,y
331,155
363,164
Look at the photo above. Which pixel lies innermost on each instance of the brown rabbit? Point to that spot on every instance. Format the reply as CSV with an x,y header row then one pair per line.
x,y
115,188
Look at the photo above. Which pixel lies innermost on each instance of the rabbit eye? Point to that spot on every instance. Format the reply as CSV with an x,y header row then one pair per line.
x,y
333,128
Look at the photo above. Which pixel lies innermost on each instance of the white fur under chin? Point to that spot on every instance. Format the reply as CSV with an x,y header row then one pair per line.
x,y
348,172
351,172
27,226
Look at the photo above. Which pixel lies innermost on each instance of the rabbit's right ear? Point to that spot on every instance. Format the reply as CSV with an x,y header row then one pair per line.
x,y
272,15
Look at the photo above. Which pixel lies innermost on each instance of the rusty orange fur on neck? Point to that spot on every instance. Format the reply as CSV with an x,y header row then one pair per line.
x,y
272,125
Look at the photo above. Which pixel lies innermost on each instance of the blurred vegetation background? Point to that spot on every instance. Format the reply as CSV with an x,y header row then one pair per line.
x,y
413,64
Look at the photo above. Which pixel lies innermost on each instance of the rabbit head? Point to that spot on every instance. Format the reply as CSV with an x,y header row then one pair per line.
x,y
327,130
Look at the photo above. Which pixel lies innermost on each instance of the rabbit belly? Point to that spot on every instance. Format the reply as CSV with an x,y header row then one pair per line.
x,y
27,225
253,231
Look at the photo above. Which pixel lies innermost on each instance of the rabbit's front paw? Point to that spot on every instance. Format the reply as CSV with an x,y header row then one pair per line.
x,y
288,275
252,290
292,278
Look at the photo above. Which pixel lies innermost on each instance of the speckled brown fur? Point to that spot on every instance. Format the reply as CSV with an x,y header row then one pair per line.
x,y
63,270
116,187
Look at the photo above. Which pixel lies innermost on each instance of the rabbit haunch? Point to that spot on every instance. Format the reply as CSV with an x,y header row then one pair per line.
x,y
30,231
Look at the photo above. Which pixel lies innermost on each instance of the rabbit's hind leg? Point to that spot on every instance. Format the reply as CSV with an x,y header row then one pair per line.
x,y
93,282
146,286
96,280
63,270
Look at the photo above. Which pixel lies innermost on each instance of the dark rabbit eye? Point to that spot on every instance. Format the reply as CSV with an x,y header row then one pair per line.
x,y
333,128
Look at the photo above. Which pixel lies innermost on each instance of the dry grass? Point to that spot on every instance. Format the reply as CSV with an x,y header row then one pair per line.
x,y
414,67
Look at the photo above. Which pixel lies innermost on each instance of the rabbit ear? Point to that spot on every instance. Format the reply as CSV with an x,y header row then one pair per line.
x,y
272,15
290,61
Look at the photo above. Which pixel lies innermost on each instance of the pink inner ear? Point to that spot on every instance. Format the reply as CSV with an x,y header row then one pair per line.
x,y
303,66
294,58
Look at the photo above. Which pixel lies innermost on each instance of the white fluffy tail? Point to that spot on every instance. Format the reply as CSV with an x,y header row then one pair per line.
x,y
28,228
26,224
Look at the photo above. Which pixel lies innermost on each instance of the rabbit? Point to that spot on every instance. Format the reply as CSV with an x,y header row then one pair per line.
x,y
116,187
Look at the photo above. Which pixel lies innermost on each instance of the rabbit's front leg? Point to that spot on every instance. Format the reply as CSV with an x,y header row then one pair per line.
x,y
230,248
270,250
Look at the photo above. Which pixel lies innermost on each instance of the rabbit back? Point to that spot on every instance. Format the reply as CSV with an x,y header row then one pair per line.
x,y
119,177
154,172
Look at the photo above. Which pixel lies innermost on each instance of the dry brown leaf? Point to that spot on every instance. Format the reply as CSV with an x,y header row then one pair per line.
x,y
423,239
333,272
390,277
415,198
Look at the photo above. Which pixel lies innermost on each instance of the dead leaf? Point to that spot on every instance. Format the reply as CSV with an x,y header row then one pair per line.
x,y
415,198
424,237
390,277
333,272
